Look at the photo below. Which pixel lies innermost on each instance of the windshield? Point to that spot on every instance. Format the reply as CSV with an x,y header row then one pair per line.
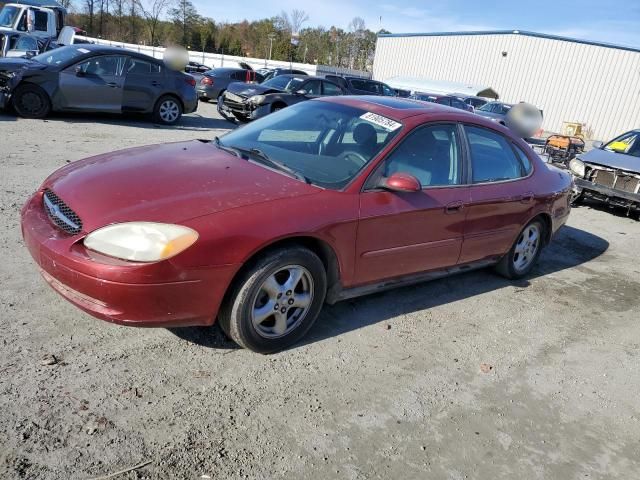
x,y
486,107
285,83
8,16
60,55
627,144
328,143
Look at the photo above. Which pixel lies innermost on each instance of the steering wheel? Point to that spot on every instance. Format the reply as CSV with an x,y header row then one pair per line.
x,y
354,157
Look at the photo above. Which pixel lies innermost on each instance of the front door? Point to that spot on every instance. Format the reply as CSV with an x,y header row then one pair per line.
x,y
94,85
406,233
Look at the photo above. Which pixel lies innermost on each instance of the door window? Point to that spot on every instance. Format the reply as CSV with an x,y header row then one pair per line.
x,y
107,66
444,101
430,154
24,43
492,158
457,104
141,67
388,91
313,88
41,21
330,88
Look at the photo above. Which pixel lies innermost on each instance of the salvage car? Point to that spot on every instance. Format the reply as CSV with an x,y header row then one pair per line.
x,y
610,172
448,100
495,111
362,86
92,78
269,73
213,83
323,201
248,102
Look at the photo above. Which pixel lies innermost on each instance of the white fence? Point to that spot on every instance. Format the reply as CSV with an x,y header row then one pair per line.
x,y
215,60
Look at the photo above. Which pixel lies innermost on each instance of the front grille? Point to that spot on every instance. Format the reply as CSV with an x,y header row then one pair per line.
x,y
60,213
627,183
605,178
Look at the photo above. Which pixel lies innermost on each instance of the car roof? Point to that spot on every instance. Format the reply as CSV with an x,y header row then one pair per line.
x,y
107,49
394,107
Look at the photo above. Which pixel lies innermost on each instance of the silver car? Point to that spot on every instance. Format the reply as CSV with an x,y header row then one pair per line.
x,y
212,84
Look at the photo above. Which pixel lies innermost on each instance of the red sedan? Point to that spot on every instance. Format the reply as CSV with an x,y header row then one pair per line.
x,y
323,201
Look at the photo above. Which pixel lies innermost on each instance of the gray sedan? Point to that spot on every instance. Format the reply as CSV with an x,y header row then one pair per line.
x,y
212,84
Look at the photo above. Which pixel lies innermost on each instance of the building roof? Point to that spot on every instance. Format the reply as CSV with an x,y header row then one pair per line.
x,y
512,32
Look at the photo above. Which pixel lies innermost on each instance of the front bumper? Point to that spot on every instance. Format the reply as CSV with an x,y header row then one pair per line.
x,y
162,294
605,193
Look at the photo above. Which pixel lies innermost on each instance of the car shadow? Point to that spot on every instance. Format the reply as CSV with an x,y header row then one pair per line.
x,y
190,122
570,248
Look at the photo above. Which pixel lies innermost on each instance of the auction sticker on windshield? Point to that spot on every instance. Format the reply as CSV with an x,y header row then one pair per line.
x,y
384,122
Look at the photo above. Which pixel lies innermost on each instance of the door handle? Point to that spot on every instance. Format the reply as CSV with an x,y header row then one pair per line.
x,y
527,197
156,84
112,85
454,207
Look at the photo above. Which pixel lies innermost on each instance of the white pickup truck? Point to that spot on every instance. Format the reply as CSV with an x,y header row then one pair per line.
x,y
40,18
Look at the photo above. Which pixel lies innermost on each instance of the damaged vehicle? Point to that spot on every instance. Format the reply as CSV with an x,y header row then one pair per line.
x,y
93,78
323,201
610,172
249,102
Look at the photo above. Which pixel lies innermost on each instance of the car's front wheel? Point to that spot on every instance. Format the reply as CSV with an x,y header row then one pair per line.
x,y
275,301
31,101
524,253
168,110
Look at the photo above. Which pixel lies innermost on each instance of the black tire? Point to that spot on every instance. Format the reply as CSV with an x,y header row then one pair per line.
x,y
167,111
31,101
507,266
204,99
238,309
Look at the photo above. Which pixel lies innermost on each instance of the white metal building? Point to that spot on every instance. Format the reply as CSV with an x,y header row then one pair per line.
x,y
592,83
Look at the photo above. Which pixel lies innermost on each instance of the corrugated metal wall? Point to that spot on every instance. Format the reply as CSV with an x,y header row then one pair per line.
x,y
572,82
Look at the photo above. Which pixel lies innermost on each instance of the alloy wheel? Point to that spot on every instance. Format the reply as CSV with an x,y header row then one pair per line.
x,y
526,247
282,302
169,111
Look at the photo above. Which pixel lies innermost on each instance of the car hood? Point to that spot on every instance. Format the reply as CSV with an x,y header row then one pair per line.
x,y
170,183
249,90
606,158
14,64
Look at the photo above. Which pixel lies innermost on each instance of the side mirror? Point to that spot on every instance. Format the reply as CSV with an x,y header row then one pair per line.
x,y
597,144
301,92
401,182
79,71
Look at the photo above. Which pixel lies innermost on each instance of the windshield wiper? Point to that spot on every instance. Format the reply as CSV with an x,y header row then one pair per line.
x,y
264,158
231,150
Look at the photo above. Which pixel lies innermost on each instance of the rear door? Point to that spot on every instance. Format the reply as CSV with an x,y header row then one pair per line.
x,y
94,85
144,82
501,198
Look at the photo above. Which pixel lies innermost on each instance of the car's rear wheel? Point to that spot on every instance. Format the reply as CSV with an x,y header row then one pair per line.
x,y
275,301
31,101
525,252
168,110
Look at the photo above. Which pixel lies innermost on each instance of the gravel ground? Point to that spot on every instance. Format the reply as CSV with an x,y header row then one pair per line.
x,y
388,386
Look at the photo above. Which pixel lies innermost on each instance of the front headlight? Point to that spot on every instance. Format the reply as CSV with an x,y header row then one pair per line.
x,y
577,167
257,99
141,241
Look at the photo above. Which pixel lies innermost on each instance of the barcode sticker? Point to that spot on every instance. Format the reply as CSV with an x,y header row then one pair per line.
x,y
381,121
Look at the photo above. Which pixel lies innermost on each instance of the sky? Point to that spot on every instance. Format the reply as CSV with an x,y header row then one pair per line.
x,y
612,21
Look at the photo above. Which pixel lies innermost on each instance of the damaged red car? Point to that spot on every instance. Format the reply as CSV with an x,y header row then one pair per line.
x,y
322,201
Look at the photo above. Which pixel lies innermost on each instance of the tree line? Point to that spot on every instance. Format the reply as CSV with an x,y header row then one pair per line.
x,y
178,22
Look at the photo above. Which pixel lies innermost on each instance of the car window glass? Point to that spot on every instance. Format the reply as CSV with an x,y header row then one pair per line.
x,y
41,21
492,158
430,154
388,91
628,144
457,103
487,107
26,43
444,101
331,89
524,160
140,67
358,84
329,143
103,66
314,87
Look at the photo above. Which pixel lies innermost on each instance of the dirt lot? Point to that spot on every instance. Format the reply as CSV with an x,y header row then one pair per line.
x,y
387,386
